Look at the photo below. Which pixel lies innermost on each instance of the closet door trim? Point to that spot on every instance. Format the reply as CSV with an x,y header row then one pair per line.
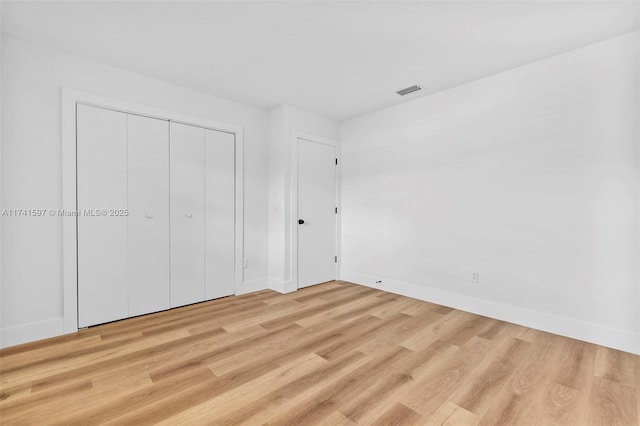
x,y
70,99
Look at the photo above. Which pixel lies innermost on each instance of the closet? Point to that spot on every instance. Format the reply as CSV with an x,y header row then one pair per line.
x,y
156,215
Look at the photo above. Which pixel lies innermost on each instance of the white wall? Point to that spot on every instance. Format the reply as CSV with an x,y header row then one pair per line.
x,y
283,120
278,161
1,205
31,173
529,177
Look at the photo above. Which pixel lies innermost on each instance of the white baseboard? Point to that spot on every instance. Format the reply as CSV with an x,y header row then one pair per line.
x,y
253,285
624,340
19,334
282,286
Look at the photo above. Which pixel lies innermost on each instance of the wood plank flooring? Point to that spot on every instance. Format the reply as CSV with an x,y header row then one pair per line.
x,y
332,354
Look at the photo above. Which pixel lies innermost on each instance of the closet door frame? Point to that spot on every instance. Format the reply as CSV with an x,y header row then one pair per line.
x,y
70,99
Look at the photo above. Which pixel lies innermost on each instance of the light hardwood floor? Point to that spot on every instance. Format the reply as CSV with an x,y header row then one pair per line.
x,y
334,354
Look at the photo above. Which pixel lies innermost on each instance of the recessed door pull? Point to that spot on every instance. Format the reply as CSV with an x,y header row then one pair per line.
x,y
149,216
188,215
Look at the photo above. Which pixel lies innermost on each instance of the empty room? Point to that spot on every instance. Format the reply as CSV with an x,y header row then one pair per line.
x,y
320,213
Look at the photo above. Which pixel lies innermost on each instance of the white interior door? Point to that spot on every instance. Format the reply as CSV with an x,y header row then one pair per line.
x,y
148,220
219,226
102,238
187,174
316,213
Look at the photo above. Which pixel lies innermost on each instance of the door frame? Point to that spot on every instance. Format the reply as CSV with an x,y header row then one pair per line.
x,y
69,100
295,135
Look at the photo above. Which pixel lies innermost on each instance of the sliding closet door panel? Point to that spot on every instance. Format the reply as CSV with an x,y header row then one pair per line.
x,y
148,220
187,214
219,213
102,237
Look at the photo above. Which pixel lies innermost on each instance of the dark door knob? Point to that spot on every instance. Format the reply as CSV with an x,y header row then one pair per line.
x,y
300,221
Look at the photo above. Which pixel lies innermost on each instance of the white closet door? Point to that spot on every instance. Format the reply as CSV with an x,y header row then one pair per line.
x,y
148,220
102,239
219,150
187,214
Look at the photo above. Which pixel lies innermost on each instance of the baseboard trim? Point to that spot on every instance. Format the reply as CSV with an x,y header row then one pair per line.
x,y
282,286
253,285
623,340
19,334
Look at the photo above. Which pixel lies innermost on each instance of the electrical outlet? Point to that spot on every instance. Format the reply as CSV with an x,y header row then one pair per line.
x,y
245,263
475,277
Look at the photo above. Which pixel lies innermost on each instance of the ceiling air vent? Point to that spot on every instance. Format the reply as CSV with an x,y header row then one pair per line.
x,y
408,90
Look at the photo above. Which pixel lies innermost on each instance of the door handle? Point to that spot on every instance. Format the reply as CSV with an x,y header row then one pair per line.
x,y
188,215
148,216
300,221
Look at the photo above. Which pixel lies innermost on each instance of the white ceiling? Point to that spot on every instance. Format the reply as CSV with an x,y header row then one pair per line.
x,y
339,59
